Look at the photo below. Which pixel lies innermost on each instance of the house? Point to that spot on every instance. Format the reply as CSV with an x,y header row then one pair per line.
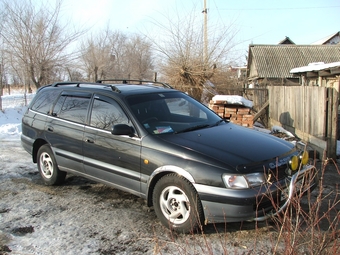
x,y
331,39
239,72
271,64
309,111
287,40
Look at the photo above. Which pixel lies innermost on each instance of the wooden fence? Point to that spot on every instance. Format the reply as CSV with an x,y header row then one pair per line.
x,y
309,112
258,96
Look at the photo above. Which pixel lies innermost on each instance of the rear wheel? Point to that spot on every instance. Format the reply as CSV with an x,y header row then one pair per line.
x,y
48,167
177,204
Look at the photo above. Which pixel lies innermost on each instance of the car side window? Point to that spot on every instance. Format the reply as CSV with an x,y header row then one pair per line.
x,y
72,107
44,100
106,112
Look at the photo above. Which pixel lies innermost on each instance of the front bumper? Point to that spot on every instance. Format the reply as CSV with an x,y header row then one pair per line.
x,y
257,204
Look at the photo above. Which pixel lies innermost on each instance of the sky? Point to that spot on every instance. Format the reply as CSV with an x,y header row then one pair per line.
x,y
256,22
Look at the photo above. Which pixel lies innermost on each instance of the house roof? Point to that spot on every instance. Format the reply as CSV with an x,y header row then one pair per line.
x,y
328,39
287,40
276,61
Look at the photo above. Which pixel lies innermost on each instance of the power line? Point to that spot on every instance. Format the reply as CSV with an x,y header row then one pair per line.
x,y
278,9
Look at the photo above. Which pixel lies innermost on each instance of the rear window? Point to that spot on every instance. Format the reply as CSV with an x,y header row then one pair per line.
x,y
44,100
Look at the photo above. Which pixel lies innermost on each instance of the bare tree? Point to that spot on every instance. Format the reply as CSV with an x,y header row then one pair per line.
x,y
2,67
112,54
36,39
96,56
181,47
139,62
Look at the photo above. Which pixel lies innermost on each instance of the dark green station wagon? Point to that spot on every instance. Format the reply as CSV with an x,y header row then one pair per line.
x,y
160,144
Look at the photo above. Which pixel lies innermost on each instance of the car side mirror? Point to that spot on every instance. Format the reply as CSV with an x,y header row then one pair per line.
x,y
122,129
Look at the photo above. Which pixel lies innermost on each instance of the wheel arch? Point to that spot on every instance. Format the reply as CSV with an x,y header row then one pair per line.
x,y
159,173
36,146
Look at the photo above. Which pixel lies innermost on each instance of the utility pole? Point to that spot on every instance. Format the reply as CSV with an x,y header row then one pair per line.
x,y
205,35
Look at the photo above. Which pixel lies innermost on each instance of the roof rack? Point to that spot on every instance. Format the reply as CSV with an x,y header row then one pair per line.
x,y
128,81
77,83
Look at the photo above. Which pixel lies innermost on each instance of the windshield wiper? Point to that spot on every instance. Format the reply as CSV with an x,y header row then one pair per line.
x,y
193,128
217,123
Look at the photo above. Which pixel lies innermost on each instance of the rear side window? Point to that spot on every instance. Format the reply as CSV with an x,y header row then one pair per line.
x,y
72,107
44,100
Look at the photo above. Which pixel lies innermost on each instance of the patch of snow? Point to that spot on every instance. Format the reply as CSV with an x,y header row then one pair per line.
x,y
233,99
10,123
261,129
278,129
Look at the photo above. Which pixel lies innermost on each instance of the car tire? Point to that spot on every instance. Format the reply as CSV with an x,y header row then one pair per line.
x,y
48,167
177,205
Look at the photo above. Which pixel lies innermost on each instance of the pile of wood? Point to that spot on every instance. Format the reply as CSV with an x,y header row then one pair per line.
x,y
237,114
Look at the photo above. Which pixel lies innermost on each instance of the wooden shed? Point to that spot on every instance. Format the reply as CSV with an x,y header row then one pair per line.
x,y
318,74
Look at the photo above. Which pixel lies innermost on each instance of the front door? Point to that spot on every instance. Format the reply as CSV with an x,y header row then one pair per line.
x,y
110,158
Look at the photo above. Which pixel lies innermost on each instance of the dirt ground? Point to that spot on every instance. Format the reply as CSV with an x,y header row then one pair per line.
x,y
84,217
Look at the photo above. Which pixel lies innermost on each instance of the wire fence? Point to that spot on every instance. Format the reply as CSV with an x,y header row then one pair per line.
x,y
15,100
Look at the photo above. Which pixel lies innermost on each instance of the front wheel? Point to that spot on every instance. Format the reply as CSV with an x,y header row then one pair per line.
x,y
48,167
177,205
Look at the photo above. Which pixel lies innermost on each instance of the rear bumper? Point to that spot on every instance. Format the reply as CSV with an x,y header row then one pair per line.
x,y
27,143
258,204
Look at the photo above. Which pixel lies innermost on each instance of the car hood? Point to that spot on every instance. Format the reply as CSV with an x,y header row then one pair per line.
x,y
232,144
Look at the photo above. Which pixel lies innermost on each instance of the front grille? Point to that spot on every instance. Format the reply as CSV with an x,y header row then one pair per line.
x,y
276,174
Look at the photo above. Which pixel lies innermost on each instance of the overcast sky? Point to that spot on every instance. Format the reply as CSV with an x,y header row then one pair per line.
x,y
258,22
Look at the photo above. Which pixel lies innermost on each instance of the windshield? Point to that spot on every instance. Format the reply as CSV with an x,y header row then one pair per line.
x,y
171,112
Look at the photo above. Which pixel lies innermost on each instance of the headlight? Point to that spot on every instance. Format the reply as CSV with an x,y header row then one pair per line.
x,y
243,181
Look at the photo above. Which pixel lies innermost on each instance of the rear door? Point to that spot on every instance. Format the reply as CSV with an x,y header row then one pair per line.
x,y
65,129
110,158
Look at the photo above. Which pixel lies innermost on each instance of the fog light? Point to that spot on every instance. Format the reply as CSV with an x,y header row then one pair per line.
x,y
294,163
304,157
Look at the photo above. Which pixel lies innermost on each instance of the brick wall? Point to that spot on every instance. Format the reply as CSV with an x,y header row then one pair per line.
x,y
237,114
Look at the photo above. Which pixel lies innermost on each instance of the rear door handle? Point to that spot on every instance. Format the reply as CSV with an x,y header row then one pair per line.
x,y
89,140
49,128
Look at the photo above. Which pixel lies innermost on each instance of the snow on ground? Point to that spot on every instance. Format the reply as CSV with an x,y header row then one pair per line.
x,y
13,108
10,123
